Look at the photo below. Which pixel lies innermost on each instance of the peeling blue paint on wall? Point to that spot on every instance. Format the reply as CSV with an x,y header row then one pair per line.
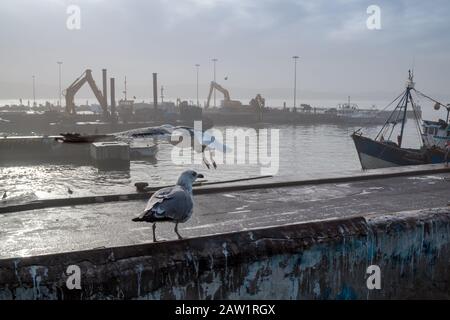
x,y
318,260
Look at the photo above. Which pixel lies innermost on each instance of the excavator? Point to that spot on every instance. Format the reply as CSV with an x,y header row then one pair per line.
x,y
76,85
258,102
227,102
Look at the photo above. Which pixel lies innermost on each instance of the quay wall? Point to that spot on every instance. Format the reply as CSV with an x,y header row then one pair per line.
x,y
314,260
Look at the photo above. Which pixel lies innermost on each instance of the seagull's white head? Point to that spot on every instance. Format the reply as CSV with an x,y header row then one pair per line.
x,y
187,178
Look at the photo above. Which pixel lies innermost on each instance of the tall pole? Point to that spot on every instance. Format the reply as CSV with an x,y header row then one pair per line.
x,y
295,80
113,96
155,91
105,89
34,91
197,67
125,92
59,71
214,61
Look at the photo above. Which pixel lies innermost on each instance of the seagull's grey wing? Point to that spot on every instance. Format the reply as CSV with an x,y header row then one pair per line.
x,y
210,141
158,197
179,207
156,131
172,203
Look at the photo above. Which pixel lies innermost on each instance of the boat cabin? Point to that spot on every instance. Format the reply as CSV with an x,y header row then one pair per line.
x,y
435,133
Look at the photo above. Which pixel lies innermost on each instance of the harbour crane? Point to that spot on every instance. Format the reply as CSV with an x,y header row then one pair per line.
x,y
227,102
76,85
258,102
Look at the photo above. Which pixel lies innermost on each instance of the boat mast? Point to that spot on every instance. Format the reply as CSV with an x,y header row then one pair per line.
x,y
409,86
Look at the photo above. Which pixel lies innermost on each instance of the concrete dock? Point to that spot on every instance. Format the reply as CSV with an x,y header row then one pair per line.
x,y
358,210
85,227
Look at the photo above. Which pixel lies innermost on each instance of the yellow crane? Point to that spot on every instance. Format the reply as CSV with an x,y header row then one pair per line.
x,y
76,85
227,102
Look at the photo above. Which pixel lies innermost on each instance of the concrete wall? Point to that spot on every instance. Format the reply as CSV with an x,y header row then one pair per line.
x,y
317,260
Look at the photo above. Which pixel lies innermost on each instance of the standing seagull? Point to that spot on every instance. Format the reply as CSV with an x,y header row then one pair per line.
x,y
171,204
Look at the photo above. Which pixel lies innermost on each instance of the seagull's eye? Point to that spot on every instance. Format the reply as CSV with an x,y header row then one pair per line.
x,y
194,174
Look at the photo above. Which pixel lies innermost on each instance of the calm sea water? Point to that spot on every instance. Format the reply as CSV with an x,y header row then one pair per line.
x,y
305,152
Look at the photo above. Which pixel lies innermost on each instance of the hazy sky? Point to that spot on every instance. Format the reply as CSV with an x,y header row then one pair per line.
x,y
254,41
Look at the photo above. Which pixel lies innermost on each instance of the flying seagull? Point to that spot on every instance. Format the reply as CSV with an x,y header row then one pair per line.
x,y
4,196
172,204
200,141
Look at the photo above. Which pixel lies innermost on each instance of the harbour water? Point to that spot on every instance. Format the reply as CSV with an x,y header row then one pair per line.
x,y
305,152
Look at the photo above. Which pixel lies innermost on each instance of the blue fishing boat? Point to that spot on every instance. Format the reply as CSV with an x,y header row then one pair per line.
x,y
382,152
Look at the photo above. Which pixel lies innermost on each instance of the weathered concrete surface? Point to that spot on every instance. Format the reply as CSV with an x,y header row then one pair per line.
x,y
315,260
65,229
251,183
295,242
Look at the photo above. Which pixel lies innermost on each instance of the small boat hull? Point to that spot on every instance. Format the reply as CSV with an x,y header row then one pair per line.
x,y
374,154
79,138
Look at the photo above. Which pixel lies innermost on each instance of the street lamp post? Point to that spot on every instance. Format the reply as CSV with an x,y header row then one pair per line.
x,y
59,71
214,61
197,67
34,91
295,80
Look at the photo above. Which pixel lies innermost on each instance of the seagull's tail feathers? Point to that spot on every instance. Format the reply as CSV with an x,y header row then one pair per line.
x,y
151,216
151,219
143,216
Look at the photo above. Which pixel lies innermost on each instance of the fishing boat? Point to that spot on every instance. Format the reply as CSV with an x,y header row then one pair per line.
x,y
382,151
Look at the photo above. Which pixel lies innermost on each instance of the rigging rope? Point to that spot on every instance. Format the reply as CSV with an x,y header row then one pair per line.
x,y
435,101
384,109
416,120
385,127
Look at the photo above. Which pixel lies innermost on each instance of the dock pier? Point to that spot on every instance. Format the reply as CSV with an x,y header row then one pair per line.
x,y
110,155
271,239
102,151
